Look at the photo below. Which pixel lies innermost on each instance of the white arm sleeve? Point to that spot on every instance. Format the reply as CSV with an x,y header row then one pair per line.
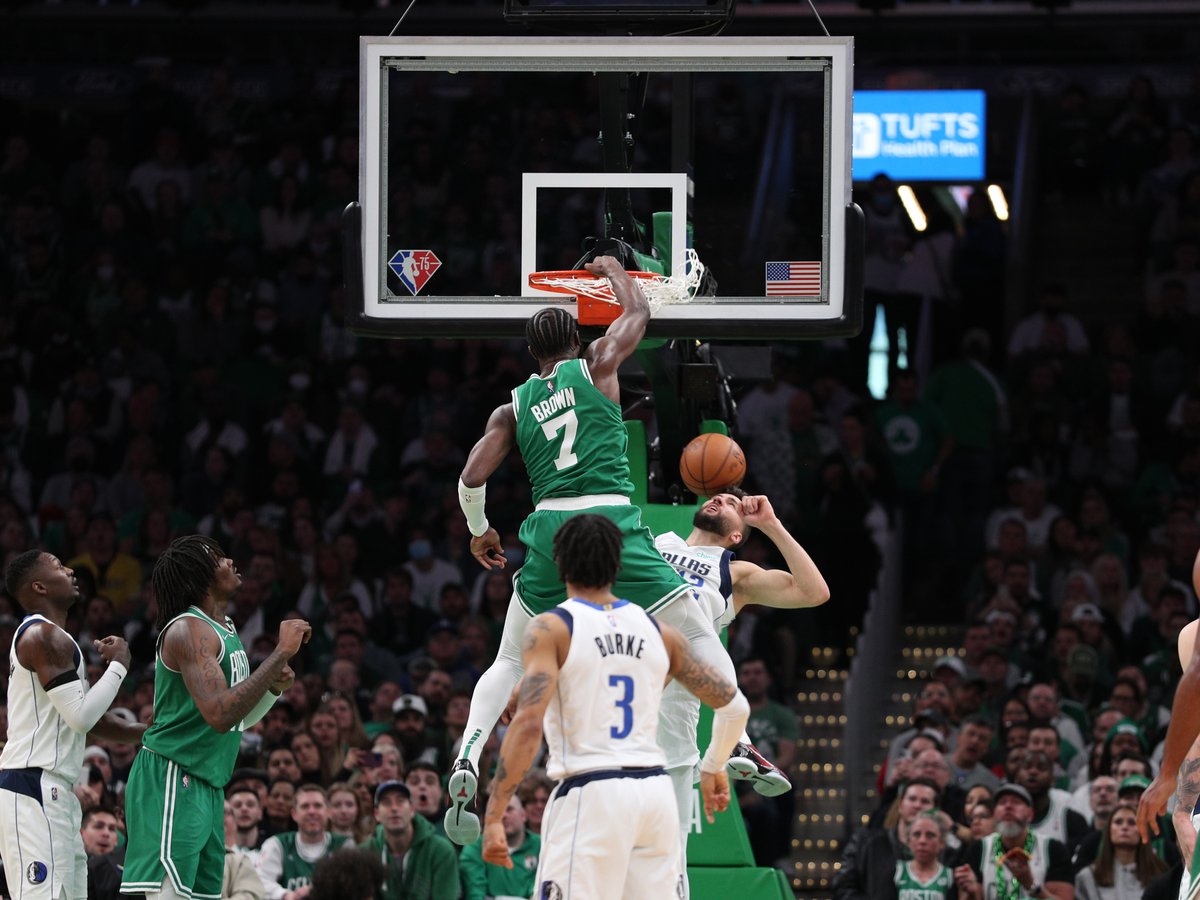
x,y
471,500
261,708
82,711
728,724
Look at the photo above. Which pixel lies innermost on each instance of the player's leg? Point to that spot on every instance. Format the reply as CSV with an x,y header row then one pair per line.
x,y
488,701
210,858
683,786
170,829
26,842
654,865
586,840
65,818
745,762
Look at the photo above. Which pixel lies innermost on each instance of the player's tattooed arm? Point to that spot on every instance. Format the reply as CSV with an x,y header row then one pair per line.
x,y
195,650
705,681
543,648
1186,793
48,652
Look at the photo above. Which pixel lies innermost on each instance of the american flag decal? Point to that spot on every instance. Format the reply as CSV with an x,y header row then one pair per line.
x,y
792,279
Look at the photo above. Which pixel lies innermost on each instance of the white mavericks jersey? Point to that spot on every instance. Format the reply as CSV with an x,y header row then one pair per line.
x,y
706,570
1054,823
604,713
38,737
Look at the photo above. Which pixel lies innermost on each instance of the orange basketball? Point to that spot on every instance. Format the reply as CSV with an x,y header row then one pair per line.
x,y
711,463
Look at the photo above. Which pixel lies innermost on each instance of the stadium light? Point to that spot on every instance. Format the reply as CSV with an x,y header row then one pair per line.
x,y
999,201
916,215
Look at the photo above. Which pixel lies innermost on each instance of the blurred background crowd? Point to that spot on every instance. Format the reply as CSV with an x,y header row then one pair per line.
x,y
174,358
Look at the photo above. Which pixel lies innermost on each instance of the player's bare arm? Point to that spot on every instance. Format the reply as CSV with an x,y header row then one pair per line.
x,y
606,354
1185,803
192,648
114,728
48,652
544,647
1182,732
485,457
802,585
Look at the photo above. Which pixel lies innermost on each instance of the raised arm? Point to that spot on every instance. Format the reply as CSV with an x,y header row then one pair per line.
x,y
802,585
606,354
485,457
543,649
730,712
193,649
50,654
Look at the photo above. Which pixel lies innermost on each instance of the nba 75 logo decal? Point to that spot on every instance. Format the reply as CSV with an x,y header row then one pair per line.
x,y
414,268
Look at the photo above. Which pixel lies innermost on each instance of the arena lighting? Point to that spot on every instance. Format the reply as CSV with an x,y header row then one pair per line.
x,y
999,201
916,215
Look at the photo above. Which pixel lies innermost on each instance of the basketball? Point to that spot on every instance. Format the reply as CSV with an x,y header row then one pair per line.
x,y
711,463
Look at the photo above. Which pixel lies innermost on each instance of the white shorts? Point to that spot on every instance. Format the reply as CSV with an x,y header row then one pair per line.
x,y
610,836
43,853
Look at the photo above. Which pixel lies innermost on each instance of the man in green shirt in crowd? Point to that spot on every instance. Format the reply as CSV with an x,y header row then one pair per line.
x,y
419,864
483,881
287,860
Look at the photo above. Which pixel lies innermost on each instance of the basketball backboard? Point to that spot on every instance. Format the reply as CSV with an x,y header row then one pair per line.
x,y
480,162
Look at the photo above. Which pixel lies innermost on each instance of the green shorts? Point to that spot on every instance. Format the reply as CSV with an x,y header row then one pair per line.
x,y
644,578
176,825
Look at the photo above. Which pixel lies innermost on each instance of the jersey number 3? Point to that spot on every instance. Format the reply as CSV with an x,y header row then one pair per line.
x,y
625,683
568,424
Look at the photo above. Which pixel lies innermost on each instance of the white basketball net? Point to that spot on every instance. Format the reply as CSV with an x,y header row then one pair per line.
x,y
659,290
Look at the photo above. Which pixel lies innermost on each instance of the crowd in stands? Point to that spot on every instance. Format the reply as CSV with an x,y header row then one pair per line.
x,y
173,359
1052,476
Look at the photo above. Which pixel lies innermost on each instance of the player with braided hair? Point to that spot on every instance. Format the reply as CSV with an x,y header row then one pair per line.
x,y
566,421
205,696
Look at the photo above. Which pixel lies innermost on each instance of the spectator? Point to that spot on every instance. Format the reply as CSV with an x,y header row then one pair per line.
x,y
966,765
286,861
418,863
1045,862
1125,865
118,575
411,715
869,863
247,812
481,881
424,782
534,792
240,880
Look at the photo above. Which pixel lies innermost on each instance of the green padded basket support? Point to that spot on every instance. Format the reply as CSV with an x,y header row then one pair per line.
x,y
720,863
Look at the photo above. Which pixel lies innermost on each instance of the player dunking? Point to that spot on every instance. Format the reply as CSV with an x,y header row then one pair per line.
x,y
50,712
723,586
566,421
595,666
205,696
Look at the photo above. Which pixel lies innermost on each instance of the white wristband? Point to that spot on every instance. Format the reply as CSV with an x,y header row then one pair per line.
x,y
471,500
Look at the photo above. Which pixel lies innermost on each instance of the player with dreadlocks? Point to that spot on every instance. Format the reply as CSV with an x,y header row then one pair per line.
x,y
566,421
205,696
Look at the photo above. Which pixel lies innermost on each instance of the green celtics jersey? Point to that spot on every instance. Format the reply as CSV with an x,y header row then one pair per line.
x,y
571,436
179,732
297,871
909,887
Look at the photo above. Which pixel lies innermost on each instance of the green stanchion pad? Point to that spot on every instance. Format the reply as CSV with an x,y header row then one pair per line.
x,y
724,884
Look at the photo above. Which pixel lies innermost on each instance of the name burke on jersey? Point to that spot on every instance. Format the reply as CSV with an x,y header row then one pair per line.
x,y
623,644
560,400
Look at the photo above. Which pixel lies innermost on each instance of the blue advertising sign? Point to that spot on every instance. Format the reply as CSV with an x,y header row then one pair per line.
x,y
919,135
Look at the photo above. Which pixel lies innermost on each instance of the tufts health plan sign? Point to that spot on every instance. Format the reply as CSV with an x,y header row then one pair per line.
x,y
919,135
